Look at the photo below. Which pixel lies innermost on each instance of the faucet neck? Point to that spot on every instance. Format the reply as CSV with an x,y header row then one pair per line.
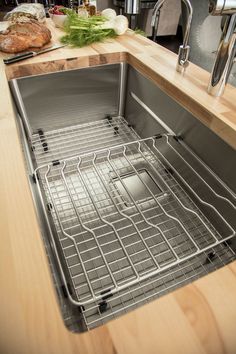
x,y
189,21
155,17
184,48
229,27
224,57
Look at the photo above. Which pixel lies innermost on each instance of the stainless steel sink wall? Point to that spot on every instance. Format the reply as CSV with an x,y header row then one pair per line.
x,y
201,139
63,99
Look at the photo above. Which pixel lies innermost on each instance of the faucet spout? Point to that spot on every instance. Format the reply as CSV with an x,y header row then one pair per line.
x,y
184,49
225,57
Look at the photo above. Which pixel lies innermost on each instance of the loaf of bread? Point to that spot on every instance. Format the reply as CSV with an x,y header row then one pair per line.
x,y
21,36
34,11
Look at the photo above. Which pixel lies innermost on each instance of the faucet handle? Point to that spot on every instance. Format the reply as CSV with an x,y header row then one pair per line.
x,y
183,55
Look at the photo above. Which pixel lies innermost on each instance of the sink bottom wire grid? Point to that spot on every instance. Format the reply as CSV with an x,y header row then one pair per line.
x,y
125,229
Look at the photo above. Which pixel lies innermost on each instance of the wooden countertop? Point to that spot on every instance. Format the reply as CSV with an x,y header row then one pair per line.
x,y
199,318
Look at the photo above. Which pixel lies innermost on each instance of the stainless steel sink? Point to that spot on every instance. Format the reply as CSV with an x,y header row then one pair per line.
x,y
133,198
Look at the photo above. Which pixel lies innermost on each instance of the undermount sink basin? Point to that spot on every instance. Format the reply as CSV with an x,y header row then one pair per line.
x,y
133,201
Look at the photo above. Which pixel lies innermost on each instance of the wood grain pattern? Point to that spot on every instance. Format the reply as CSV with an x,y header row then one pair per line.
x,y
203,328
199,318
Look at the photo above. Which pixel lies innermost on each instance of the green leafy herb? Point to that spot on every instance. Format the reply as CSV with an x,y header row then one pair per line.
x,y
81,31
139,31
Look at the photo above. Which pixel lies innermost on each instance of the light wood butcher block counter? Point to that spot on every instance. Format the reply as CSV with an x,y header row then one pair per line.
x,y
198,318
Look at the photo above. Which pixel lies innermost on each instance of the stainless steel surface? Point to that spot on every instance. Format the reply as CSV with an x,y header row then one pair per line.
x,y
132,7
225,55
67,142
184,49
222,7
151,111
122,88
125,217
133,183
46,104
98,229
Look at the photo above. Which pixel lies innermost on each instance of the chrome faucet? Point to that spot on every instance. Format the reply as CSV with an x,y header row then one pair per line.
x,y
184,48
226,51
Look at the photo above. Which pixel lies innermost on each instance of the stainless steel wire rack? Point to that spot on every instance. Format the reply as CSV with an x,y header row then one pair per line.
x,y
122,218
123,226
67,142
154,287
